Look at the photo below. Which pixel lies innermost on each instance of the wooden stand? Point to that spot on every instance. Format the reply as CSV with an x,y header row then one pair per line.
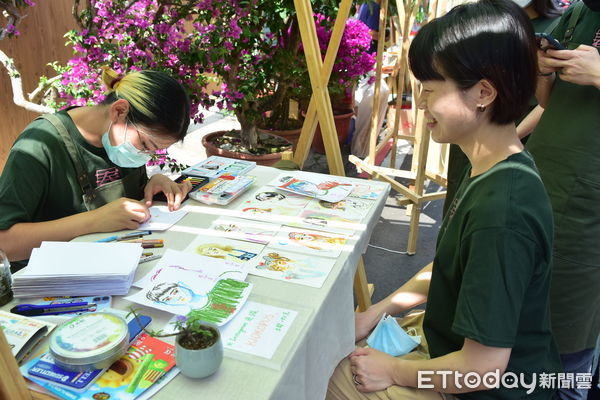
x,y
320,106
413,196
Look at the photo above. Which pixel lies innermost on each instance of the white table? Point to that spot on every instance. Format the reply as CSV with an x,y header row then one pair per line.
x,y
321,335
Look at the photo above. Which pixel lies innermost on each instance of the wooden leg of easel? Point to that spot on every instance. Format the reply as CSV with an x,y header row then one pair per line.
x,y
12,383
413,232
362,289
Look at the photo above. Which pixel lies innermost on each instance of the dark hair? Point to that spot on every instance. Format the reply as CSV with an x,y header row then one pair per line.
x,y
156,100
547,8
488,39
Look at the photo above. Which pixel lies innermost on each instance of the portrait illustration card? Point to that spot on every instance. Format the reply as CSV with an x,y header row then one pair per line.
x,y
328,222
292,267
349,208
233,251
270,196
305,241
266,212
370,191
244,229
323,187
179,289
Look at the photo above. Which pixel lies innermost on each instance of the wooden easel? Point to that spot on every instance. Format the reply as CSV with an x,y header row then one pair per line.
x,y
320,107
414,196
12,383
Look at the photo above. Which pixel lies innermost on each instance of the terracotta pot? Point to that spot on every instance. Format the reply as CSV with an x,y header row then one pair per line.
x,y
291,135
212,150
342,125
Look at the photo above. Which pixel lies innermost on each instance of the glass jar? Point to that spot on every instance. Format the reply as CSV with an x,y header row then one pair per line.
x,y
6,293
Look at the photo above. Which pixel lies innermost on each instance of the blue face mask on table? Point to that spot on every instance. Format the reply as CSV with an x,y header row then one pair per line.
x,y
390,338
124,155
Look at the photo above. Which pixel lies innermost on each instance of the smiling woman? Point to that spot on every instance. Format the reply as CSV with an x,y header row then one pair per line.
x,y
82,170
487,300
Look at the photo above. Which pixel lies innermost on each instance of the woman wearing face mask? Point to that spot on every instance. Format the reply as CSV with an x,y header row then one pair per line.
x,y
82,170
487,310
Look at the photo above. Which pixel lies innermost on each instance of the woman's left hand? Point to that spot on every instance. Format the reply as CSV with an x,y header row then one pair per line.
x,y
373,370
174,192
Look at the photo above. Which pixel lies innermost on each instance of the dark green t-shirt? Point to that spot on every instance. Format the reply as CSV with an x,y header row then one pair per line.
x,y
566,149
39,182
491,273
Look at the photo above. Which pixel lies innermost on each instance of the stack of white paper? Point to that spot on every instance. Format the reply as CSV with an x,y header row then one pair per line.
x,y
78,269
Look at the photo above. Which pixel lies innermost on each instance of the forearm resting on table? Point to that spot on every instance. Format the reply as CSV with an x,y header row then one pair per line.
x,y
411,294
19,240
473,357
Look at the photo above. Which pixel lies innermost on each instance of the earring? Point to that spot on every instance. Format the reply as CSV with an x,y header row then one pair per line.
x,y
481,108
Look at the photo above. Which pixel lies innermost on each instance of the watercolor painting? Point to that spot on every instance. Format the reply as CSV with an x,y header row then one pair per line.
x,y
179,289
230,250
293,267
369,191
244,229
310,242
323,187
257,210
328,222
269,196
350,208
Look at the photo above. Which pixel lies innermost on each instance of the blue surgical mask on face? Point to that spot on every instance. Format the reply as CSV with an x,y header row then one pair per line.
x,y
124,155
390,338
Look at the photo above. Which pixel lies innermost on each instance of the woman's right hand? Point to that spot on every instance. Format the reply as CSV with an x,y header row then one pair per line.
x,y
119,214
544,63
364,322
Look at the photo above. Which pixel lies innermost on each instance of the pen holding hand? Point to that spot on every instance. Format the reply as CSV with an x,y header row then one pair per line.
x,y
120,214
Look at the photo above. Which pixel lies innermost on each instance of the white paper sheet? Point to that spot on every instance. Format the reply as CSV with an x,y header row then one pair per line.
x,y
161,218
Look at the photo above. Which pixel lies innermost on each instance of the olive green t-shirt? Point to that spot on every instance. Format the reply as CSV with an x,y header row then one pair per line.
x,y
491,273
39,182
566,149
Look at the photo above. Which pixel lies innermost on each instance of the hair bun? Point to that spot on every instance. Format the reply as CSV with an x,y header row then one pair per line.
x,y
110,78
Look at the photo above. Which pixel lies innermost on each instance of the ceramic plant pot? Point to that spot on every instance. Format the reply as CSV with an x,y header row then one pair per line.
x,y
202,362
342,125
212,150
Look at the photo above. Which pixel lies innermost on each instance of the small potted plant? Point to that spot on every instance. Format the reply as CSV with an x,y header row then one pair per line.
x,y
198,345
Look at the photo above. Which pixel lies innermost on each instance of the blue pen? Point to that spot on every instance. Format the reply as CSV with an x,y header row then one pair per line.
x,y
108,239
32,310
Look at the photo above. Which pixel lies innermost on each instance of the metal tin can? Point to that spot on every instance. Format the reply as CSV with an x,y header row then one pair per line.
x,y
89,341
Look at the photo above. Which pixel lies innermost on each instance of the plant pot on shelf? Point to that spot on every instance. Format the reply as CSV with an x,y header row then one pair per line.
x,y
213,141
203,361
342,126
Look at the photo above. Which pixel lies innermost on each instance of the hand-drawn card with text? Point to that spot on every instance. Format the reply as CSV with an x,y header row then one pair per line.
x,y
258,329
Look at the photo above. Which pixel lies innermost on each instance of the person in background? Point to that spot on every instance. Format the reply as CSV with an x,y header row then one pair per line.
x,y
544,16
82,170
566,148
487,297
368,13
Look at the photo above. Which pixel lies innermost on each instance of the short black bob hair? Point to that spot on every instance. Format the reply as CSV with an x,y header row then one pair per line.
x,y
487,39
